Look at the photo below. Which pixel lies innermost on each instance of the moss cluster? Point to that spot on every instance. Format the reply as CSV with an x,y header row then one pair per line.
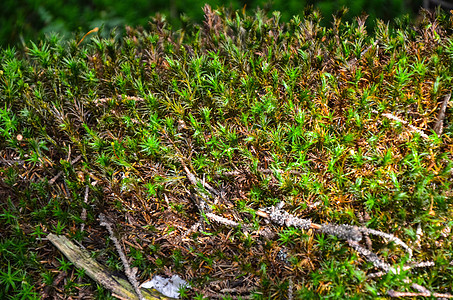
x,y
337,123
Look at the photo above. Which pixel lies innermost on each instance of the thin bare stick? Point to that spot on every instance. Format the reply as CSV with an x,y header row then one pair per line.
x,y
418,236
74,161
192,178
130,273
100,101
290,289
225,221
411,127
83,216
262,170
11,162
221,220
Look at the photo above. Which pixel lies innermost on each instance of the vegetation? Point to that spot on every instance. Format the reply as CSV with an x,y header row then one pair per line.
x,y
22,21
184,139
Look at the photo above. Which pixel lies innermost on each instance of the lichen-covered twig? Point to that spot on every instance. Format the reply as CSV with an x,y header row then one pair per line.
x,y
262,170
389,237
439,126
342,231
371,257
396,294
290,289
130,273
222,220
405,268
353,235
83,216
281,217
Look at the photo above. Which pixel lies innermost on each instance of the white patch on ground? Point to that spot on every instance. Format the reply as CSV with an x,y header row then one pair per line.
x,y
166,286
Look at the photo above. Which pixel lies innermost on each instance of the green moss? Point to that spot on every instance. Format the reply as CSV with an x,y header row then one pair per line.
x,y
264,111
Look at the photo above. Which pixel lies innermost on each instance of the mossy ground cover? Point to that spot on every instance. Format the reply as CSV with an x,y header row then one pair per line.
x,y
161,129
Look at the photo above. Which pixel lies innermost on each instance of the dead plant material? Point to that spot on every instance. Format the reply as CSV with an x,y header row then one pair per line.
x,y
82,259
411,127
83,215
130,273
74,161
396,294
439,126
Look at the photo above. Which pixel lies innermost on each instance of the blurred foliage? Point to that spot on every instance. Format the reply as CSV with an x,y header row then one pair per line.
x,y
25,20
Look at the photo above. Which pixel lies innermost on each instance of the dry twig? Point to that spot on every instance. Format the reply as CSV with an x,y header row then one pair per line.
x,y
74,161
411,127
82,259
396,294
130,273
439,126
83,216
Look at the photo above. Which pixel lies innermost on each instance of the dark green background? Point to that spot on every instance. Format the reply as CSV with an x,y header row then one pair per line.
x,y
24,20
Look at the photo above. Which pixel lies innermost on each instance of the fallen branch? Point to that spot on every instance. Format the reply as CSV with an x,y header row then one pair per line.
x,y
345,232
396,294
353,235
82,259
